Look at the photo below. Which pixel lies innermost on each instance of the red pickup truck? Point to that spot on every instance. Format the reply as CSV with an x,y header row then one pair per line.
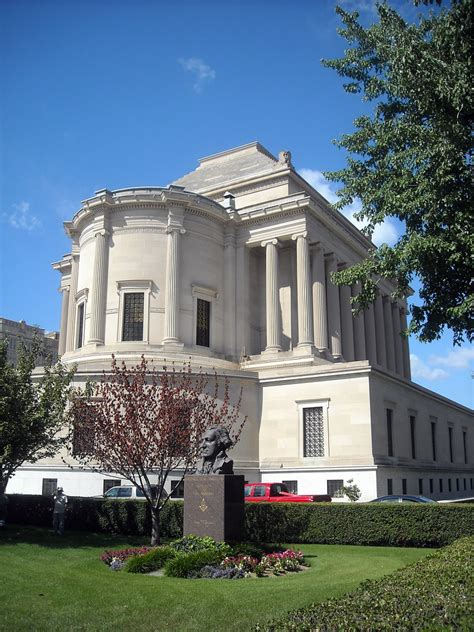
x,y
278,493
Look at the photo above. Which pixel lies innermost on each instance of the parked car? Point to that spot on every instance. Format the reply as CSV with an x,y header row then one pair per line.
x,y
125,491
402,499
278,493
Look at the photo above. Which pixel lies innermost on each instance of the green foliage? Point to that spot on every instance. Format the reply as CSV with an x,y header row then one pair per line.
x,y
429,525
185,564
412,159
151,561
351,490
436,593
193,543
31,414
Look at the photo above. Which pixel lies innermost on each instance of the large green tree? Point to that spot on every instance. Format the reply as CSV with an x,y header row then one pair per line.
x,y
32,414
411,158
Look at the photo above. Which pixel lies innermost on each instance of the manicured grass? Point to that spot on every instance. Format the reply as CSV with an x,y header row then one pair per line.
x,y
51,583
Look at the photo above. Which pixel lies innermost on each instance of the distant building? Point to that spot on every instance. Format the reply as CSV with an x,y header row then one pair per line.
x,y
19,332
231,266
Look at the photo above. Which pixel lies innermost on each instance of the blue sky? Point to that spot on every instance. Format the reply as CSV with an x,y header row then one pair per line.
x,y
113,93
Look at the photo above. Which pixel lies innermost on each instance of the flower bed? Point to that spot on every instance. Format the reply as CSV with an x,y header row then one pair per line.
x,y
204,558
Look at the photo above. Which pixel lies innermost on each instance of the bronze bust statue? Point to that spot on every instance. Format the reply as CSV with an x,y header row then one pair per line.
x,y
214,444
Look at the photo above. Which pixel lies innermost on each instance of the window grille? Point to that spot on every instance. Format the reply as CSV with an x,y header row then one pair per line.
x,y
389,432
313,431
203,322
334,488
389,486
49,486
109,483
133,310
80,325
292,486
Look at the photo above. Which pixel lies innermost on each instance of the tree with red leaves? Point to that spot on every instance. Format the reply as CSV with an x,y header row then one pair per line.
x,y
144,424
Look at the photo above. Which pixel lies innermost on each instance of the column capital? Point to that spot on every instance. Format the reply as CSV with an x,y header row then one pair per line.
x,y
303,234
175,229
103,232
268,242
64,288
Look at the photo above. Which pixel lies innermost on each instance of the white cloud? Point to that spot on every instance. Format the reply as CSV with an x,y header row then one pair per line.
x,y
21,217
456,359
201,71
383,233
420,369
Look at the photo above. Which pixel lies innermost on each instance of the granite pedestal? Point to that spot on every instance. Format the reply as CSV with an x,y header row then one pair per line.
x,y
214,506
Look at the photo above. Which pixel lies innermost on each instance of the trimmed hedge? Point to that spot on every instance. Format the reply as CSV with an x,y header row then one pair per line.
x,y
423,525
436,593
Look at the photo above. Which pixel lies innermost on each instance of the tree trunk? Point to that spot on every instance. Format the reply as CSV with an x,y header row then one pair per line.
x,y
155,526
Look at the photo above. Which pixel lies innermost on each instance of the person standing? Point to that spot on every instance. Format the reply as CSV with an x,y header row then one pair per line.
x,y
60,502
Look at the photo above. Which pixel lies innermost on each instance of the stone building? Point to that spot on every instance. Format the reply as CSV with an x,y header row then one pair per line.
x,y
231,265
18,333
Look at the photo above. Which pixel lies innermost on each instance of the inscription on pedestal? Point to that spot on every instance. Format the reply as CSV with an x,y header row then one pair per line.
x,y
214,506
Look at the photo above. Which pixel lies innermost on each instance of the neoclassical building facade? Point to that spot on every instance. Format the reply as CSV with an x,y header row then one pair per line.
x,y
231,266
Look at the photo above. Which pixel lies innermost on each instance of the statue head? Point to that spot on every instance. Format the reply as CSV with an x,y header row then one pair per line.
x,y
215,441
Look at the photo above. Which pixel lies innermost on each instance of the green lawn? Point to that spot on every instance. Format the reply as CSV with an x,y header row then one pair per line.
x,y
51,583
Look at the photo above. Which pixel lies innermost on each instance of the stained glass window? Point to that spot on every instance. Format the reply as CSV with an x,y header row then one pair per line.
x,y
313,431
203,322
133,308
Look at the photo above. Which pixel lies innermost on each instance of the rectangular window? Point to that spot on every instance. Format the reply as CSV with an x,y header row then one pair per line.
x,y
412,436
50,486
334,488
420,486
133,311
441,485
457,484
389,486
472,481
431,485
177,489
404,485
450,434
80,325
450,487
111,482
203,322
389,432
465,484
464,445
313,431
433,439
292,486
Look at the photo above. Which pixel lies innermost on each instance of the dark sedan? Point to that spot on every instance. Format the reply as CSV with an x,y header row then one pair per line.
x,y
402,499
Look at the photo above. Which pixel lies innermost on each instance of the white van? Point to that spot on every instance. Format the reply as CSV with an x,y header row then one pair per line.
x,y
125,491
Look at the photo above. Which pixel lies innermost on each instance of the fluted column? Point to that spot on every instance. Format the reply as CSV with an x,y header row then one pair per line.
x,y
346,323
272,298
303,276
229,293
359,329
64,318
334,309
370,335
242,298
405,345
99,288
319,300
172,285
397,339
380,331
387,311
71,321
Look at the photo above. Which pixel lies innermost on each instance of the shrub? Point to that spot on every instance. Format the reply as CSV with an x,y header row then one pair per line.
x,y
429,525
436,593
185,564
217,572
193,543
150,561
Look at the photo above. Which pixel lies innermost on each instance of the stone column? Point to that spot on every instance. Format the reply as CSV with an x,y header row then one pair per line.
x,y
303,275
242,298
71,321
229,293
397,339
370,336
172,285
346,323
359,329
387,310
380,331
405,344
64,318
319,301
334,309
272,297
99,288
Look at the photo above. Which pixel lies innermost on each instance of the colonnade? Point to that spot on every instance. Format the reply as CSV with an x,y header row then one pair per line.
x,y
325,320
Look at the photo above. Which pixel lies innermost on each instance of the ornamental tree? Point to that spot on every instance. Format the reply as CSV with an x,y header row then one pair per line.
x,y
32,414
144,424
412,159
